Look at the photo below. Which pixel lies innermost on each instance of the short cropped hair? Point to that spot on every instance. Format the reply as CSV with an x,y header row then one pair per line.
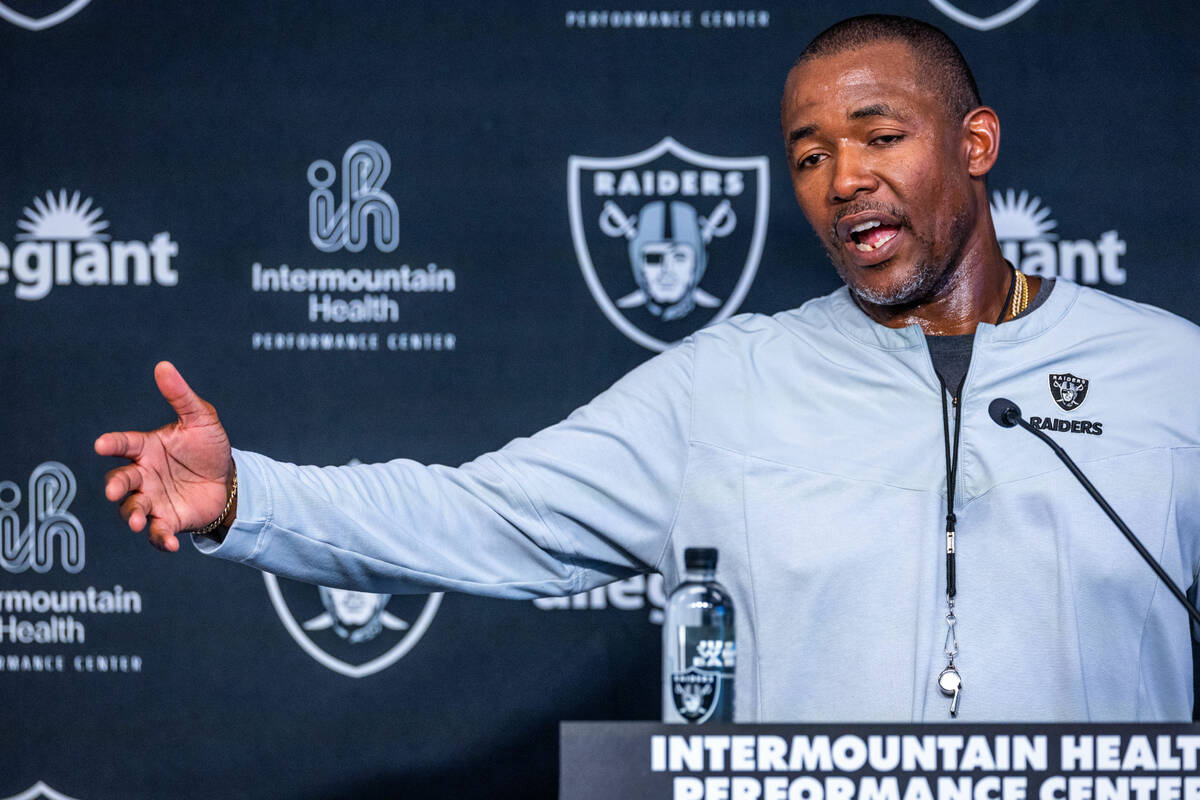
x,y
937,56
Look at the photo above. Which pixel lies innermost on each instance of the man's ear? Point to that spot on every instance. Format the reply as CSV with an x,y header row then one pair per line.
x,y
981,139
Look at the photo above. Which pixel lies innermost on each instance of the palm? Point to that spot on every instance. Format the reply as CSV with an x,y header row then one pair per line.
x,y
187,466
178,476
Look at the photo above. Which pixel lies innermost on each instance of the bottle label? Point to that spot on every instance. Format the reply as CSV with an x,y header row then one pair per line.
x,y
704,690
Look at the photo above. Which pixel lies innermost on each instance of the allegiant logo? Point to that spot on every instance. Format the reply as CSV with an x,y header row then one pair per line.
x,y
63,242
1029,241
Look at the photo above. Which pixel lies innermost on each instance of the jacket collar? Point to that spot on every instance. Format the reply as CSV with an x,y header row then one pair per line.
x,y
852,322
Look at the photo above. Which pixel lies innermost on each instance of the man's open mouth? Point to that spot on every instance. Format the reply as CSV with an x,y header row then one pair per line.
x,y
872,234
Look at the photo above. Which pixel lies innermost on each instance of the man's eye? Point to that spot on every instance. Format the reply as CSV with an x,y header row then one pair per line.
x,y
810,160
888,138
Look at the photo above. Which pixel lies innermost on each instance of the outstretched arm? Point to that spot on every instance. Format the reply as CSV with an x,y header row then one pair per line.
x,y
180,475
578,504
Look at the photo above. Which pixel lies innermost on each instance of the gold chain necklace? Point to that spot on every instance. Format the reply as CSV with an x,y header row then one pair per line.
x,y
1020,297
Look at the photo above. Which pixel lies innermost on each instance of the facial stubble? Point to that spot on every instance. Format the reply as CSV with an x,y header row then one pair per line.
x,y
927,277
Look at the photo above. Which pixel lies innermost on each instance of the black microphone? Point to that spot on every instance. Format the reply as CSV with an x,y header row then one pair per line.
x,y
1004,411
1007,414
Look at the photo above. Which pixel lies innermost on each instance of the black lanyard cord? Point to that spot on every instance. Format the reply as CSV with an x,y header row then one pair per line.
x,y
952,457
951,476
1012,286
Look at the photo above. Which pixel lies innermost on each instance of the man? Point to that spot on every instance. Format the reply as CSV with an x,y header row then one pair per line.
x,y
822,450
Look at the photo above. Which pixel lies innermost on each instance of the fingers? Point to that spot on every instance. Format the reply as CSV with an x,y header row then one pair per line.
x,y
121,481
124,444
162,537
127,481
187,404
136,510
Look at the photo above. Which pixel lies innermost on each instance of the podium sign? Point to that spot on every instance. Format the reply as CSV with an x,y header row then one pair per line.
x,y
652,761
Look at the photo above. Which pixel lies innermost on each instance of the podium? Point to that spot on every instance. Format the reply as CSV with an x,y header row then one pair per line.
x,y
653,761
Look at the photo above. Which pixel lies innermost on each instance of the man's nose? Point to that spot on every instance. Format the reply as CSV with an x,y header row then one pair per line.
x,y
851,175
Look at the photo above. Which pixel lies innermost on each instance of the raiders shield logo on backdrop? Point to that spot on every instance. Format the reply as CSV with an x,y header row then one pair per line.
x,y
354,633
997,17
668,239
37,15
1067,390
39,791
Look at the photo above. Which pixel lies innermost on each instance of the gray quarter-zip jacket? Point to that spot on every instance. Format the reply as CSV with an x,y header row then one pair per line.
x,y
809,448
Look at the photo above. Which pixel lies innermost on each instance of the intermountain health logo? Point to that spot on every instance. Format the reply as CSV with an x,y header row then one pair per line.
x,y
50,523
334,225
64,241
359,302
37,16
666,19
45,617
1029,240
1000,14
668,239
352,633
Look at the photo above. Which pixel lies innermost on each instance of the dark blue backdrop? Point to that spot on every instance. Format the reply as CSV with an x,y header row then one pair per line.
x,y
196,128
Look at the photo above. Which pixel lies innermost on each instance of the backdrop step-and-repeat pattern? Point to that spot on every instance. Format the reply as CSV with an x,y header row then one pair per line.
x,y
366,230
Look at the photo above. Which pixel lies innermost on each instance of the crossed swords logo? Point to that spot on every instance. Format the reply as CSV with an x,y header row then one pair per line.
x,y
615,223
332,617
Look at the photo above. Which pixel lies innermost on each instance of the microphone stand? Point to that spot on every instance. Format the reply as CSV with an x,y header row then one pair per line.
x,y
1007,414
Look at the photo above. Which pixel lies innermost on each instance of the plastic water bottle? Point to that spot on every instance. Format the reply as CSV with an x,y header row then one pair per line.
x,y
699,647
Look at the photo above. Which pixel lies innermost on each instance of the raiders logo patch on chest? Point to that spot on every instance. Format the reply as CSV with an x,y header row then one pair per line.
x,y
1068,390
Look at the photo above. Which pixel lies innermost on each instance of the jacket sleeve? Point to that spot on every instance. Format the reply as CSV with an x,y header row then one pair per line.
x,y
581,503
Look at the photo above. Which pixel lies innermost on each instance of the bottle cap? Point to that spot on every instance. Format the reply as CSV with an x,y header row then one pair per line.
x,y
700,558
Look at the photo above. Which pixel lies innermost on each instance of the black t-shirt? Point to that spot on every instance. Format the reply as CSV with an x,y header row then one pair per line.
x,y
951,355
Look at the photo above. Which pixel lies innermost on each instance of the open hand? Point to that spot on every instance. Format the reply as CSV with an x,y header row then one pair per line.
x,y
181,473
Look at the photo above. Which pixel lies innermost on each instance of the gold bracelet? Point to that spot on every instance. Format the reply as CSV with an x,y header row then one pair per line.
x,y
216,523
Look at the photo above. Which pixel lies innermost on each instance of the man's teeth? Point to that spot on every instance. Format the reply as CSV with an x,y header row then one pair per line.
x,y
866,248
865,226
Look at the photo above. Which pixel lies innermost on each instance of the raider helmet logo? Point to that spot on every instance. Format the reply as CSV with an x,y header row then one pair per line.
x,y
353,633
695,693
1068,391
354,616
667,234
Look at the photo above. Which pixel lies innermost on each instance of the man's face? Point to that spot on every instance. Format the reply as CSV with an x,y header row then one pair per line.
x,y
669,269
879,170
